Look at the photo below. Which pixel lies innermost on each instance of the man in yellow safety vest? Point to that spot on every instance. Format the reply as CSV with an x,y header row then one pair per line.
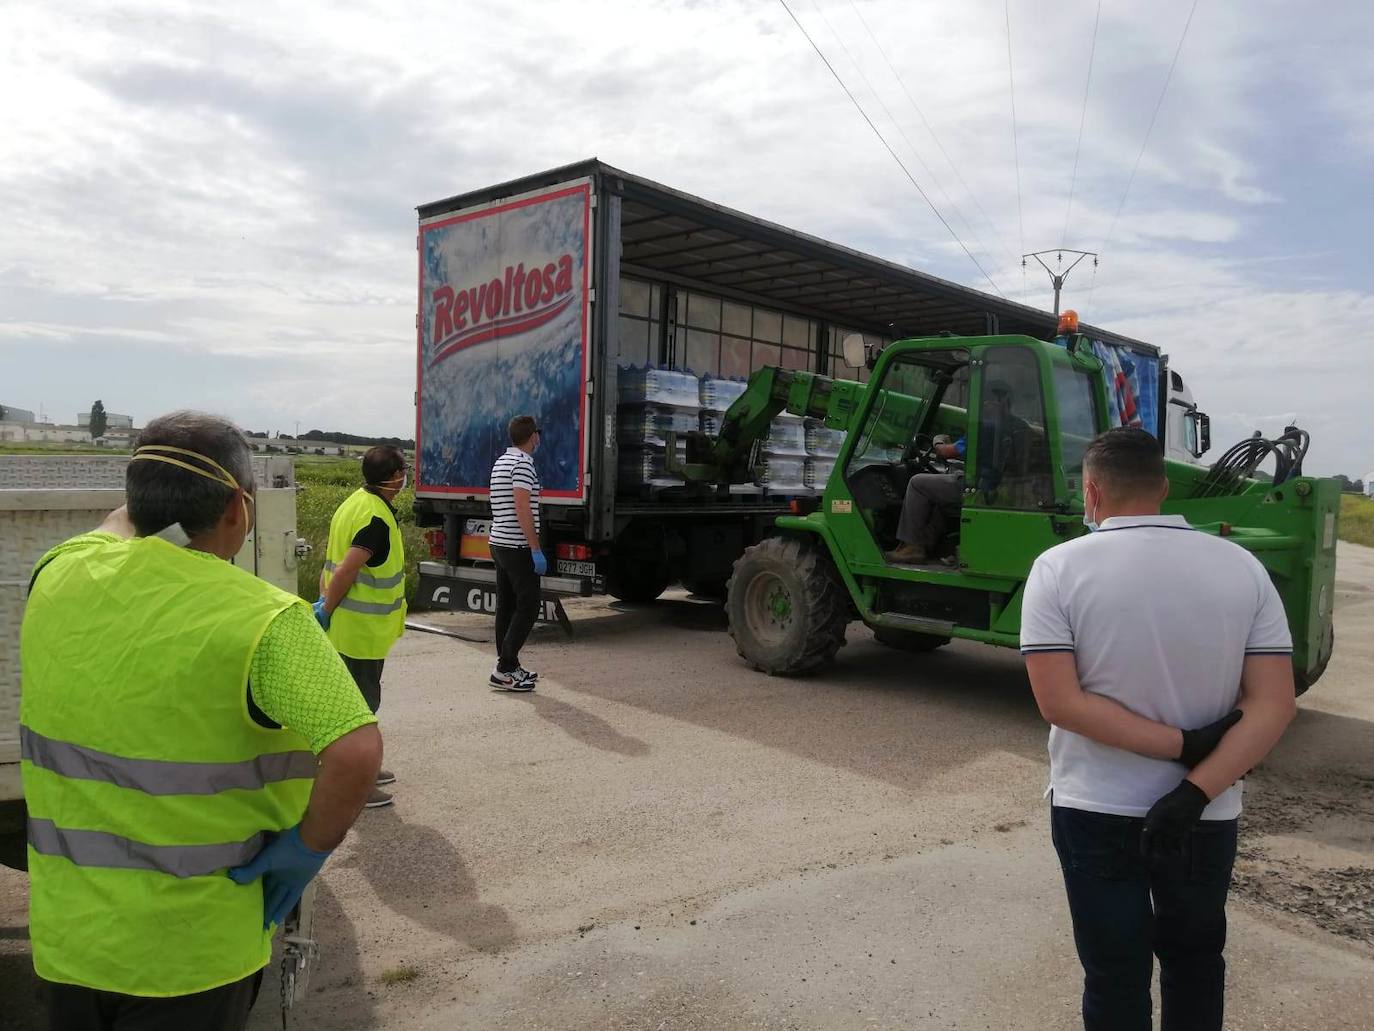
x,y
193,748
362,602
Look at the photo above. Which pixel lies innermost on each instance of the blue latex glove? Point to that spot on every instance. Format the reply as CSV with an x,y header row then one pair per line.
x,y
321,615
286,866
541,564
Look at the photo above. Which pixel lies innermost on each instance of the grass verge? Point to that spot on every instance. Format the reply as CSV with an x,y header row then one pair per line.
x,y
1357,520
324,484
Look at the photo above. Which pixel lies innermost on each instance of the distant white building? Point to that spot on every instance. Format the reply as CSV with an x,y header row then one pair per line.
x,y
113,420
290,445
42,433
1369,483
8,413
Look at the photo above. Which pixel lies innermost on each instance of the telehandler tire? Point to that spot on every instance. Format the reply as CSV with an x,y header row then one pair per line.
x,y
1302,681
908,640
786,605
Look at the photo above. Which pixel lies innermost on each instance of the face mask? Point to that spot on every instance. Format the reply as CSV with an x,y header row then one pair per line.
x,y
1088,521
164,452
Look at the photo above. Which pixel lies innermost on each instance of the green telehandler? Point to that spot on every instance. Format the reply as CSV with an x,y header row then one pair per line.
x,y
792,595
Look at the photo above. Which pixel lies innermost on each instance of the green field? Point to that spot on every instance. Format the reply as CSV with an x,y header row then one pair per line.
x,y
1357,520
324,483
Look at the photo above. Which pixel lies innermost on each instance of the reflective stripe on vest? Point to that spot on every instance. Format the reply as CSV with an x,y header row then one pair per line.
x,y
99,848
372,608
144,775
371,615
157,777
368,580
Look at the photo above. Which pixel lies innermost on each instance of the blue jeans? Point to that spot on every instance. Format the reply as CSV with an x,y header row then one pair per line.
x,y
1125,912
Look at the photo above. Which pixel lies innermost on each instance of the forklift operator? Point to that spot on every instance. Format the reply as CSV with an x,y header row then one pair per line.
x,y
932,501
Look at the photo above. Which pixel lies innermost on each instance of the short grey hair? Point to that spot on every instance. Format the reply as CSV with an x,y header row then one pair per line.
x,y
159,494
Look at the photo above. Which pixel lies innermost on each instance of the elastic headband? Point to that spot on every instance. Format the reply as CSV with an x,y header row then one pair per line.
x,y
224,479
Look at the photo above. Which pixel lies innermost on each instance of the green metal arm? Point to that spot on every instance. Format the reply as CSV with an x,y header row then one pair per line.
x,y
729,456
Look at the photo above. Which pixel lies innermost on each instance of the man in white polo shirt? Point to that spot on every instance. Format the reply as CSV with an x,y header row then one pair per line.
x,y
1162,657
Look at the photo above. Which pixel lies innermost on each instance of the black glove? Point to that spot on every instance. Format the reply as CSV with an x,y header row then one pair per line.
x,y
1171,820
1198,744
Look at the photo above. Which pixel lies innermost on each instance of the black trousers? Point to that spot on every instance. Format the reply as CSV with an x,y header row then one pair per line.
x,y
367,674
1127,911
517,603
72,1008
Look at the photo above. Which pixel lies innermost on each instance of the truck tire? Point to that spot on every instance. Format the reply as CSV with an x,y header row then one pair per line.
x,y
637,583
713,589
908,640
1302,681
786,606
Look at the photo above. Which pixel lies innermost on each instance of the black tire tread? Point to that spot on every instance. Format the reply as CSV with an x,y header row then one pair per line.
x,y
827,611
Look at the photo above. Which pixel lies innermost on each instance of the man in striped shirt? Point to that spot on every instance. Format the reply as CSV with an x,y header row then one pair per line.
x,y
515,549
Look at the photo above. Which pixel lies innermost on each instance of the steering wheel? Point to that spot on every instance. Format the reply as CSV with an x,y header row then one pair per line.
x,y
920,453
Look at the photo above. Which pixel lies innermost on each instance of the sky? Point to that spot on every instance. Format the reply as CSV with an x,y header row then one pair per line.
x,y
212,205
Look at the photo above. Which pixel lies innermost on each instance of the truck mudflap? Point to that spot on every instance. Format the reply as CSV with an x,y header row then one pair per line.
x,y
472,588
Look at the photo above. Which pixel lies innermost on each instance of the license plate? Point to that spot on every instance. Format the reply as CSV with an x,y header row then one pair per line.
x,y
577,568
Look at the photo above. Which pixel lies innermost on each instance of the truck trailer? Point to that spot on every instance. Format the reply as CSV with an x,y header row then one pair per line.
x,y
617,311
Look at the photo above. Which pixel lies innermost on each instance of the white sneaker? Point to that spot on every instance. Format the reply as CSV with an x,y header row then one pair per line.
x,y
509,681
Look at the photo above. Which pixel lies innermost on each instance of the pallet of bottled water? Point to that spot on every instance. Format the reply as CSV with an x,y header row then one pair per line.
x,y
786,436
781,474
817,473
821,441
647,384
647,467
650,423
718,394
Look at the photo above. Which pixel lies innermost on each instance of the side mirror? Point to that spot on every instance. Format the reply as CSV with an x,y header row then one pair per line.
x,y
854,350
1204,434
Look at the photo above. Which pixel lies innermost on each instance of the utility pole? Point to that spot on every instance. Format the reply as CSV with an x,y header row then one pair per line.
x,y
1057,278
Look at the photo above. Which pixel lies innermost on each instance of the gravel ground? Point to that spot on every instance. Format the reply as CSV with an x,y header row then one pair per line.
x,y
660,838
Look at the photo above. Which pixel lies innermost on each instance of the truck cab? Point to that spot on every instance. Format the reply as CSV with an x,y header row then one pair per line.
x,y
1187,429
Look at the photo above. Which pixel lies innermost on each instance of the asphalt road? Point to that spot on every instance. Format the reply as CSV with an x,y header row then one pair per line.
x,y
661,838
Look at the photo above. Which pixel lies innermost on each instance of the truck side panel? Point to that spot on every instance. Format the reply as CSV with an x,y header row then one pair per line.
x,y
503,329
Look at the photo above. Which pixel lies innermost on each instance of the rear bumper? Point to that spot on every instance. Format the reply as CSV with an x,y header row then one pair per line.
x,y
470,588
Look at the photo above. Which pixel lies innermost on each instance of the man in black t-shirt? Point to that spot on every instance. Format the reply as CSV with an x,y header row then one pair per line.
x,y
369,547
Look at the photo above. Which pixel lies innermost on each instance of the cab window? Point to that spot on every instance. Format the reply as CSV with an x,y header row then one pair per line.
x,y
1079,420
1010,453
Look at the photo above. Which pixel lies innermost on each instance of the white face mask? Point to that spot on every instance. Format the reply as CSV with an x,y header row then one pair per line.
x,y
1089,521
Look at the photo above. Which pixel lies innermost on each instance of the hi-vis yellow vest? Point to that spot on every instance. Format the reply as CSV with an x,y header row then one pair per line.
x,y
372,614
144,775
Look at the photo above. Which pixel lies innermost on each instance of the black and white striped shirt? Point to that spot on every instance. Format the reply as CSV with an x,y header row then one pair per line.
x,y
513,469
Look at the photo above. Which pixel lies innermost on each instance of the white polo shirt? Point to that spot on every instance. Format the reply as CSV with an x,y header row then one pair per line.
x,y
1159,617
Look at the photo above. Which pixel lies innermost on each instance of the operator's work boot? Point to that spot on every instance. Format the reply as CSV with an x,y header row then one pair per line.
x,y
906,554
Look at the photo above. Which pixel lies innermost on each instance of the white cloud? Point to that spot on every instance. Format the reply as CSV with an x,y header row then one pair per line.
x,y
238,181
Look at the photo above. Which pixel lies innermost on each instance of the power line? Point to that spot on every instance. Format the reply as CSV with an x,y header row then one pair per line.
x,y
1082,120
929,128
1150,128
883,140
1015,147
910,146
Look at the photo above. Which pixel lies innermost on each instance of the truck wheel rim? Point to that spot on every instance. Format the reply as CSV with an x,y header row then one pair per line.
x,y
768,603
